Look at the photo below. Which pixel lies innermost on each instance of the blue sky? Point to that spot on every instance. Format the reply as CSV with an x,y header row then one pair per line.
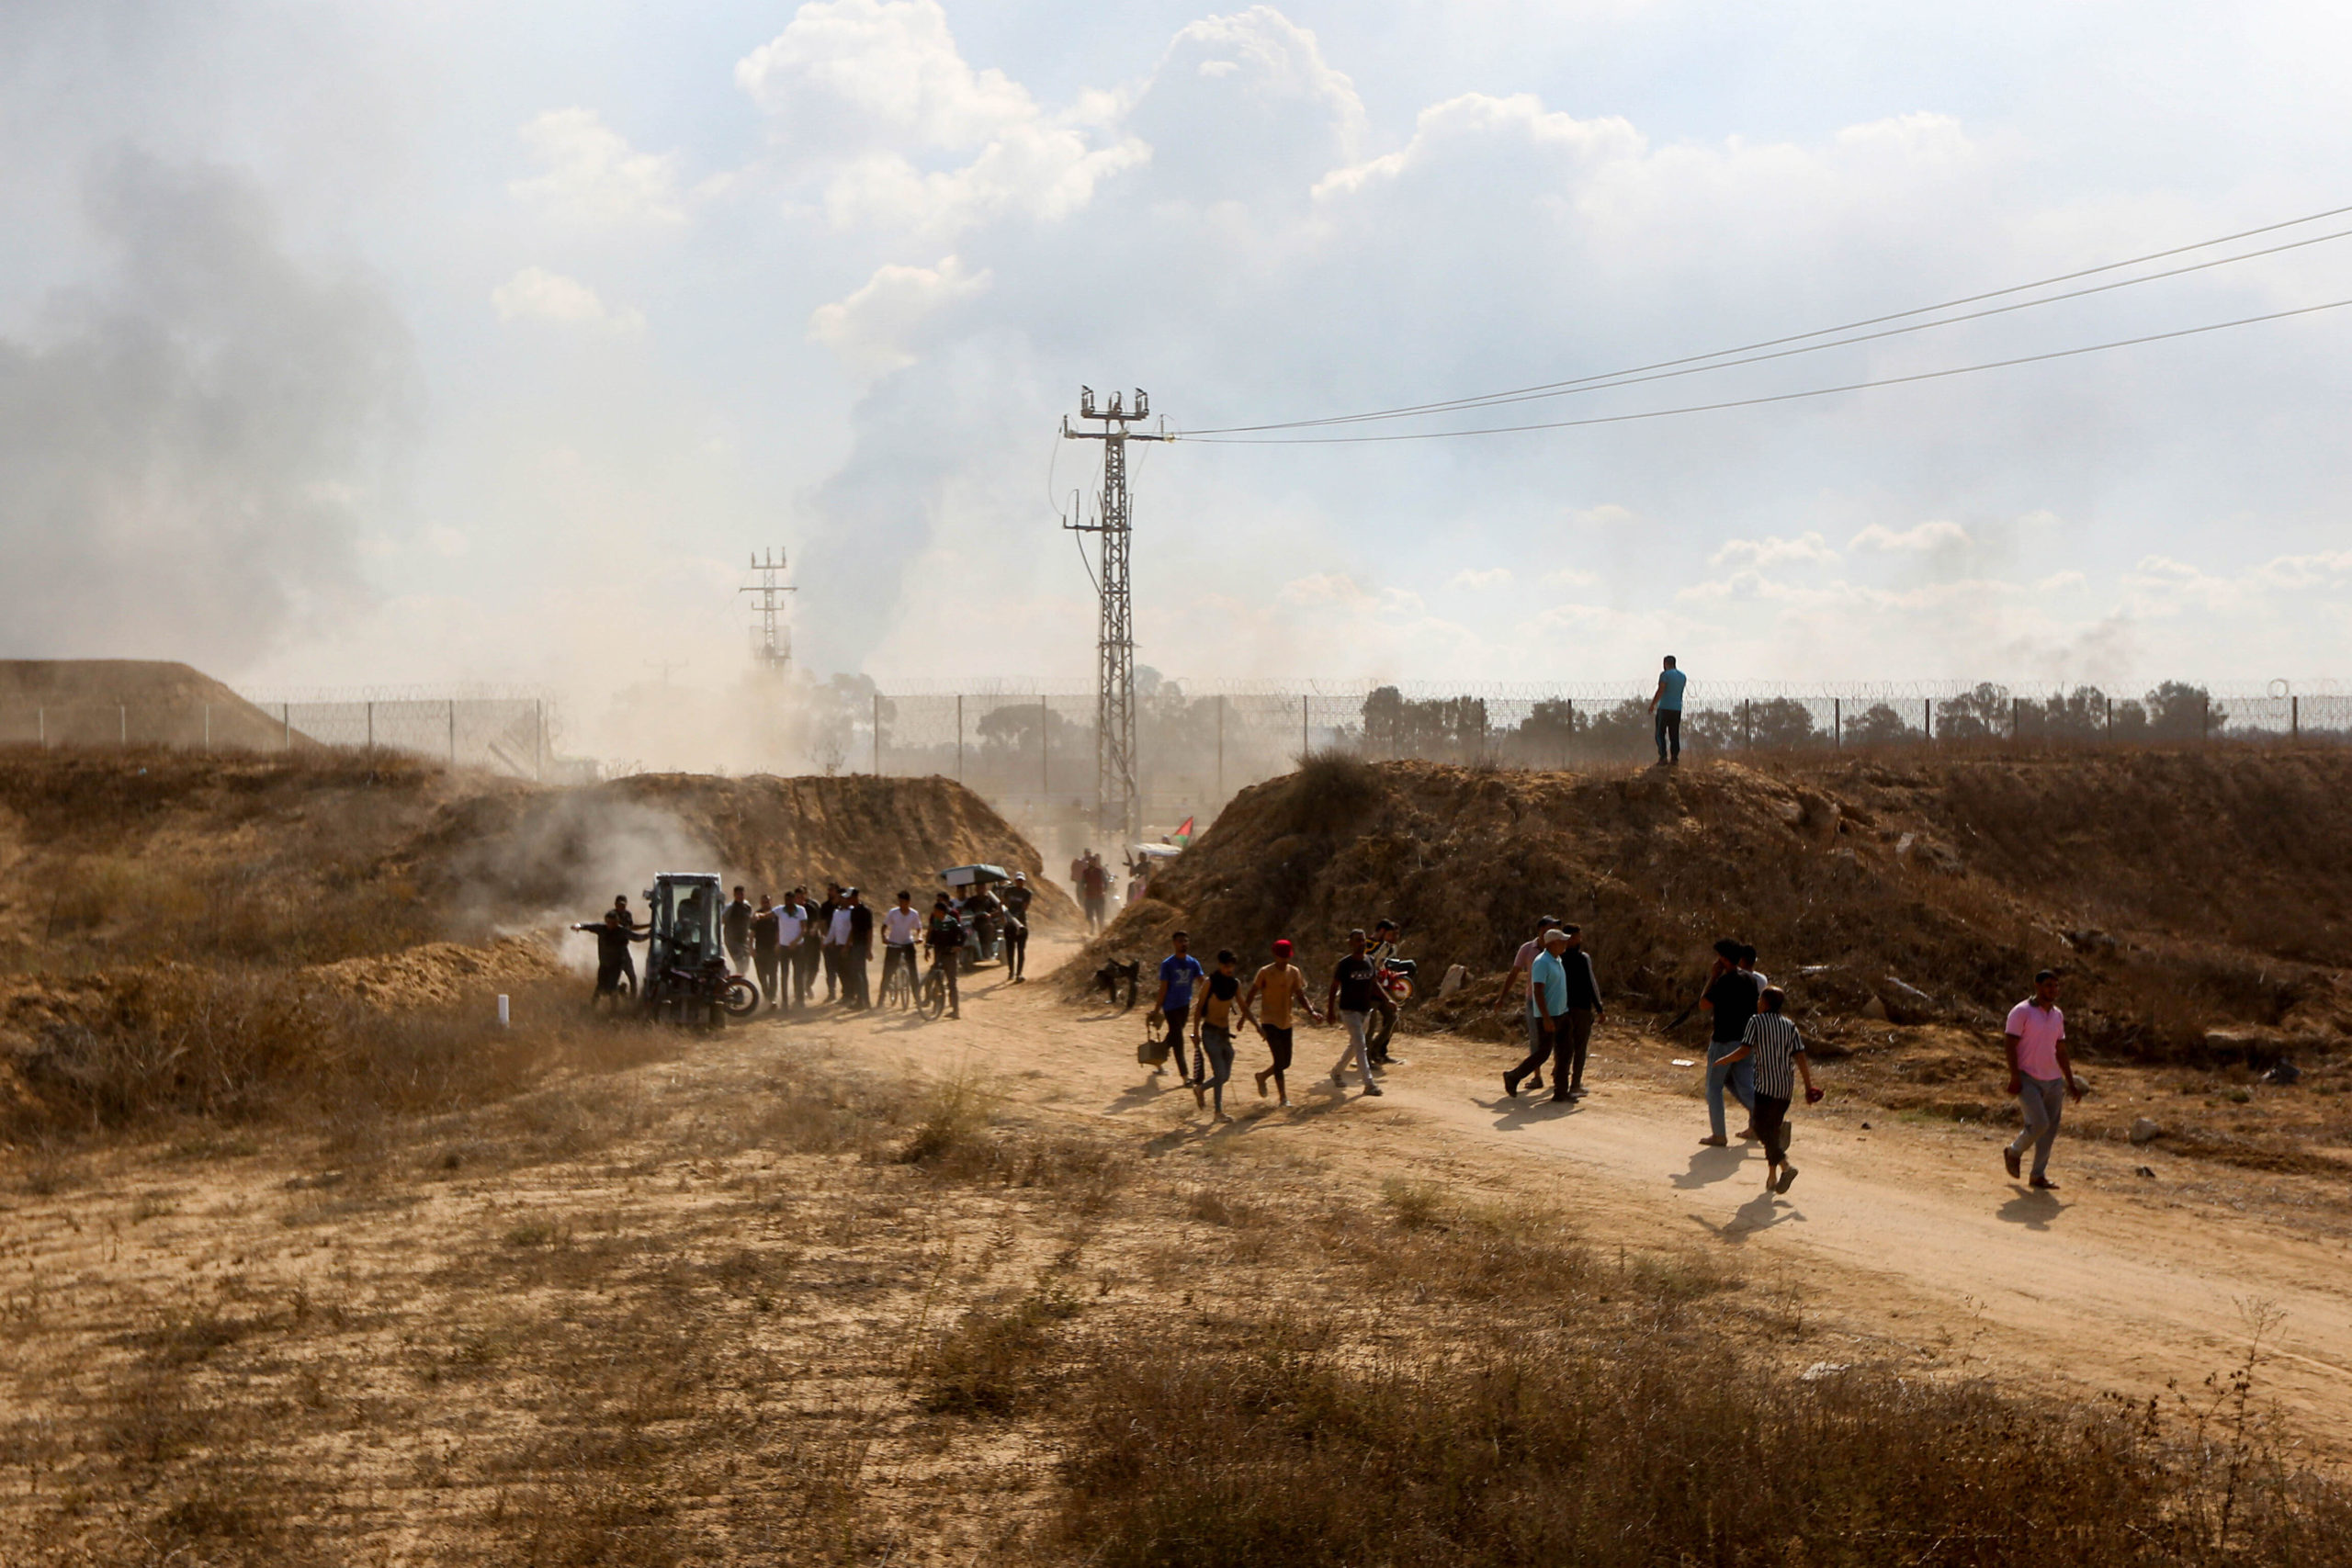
x,y
353,344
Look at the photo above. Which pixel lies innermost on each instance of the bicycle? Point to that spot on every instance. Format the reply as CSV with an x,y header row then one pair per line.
x,y
932,999
899,986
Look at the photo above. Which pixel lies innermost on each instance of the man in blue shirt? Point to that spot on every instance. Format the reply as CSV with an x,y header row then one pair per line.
x,y
1666,704
1178,973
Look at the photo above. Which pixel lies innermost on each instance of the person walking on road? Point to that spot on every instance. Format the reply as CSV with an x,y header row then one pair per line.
x,y
735,931
1567,1013
2042,1075
1666,702
1017,898
1094,887
1179,973
1519,983
764,953
628,921
1382,950
1281,988
1774,1050
1213,1034
1730,1002
1353,996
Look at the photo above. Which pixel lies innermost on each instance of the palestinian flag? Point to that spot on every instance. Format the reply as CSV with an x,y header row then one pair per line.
x,y
1183,834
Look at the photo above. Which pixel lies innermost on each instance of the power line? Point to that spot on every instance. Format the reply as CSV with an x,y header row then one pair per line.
x,y
1500,399
1773,398
1551,388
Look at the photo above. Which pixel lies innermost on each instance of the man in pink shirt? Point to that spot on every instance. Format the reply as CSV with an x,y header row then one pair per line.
x,y
2040,1075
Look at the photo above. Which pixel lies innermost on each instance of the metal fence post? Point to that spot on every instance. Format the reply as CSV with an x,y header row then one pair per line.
x,y
1927,719
2204,716
2295,717
1746,725
208,728
1837,726
372,727
122,716
2110,718
2016,718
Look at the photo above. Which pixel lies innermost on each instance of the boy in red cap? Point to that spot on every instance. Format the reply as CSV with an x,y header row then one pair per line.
x,y
1282,985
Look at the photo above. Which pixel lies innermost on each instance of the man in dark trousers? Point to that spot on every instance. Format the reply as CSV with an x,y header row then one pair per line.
x,y
628,959
1731,1001
1567,1027
1666,704
858,950
825,945
766,956
735,931
1018,895
612,938
802,935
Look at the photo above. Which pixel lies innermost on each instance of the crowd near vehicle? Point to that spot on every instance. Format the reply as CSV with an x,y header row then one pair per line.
x,y
686,978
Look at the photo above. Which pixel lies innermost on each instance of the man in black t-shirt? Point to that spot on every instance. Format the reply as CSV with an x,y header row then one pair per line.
x,y
1017,896
1730,1002
735,930
612,952
1354,994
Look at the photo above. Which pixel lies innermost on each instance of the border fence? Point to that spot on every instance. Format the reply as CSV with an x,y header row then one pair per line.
x,y
505,735
1029,747
1032,752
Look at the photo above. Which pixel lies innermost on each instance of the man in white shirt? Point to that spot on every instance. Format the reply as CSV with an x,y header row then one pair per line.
x,y
901,924
791,927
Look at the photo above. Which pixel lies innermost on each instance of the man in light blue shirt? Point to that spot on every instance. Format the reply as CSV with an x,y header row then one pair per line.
x,y
1666,704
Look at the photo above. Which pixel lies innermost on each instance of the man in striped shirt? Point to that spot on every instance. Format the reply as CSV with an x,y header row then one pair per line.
x,y
1776,1053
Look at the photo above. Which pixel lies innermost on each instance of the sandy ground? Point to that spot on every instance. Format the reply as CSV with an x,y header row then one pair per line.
x,y
1904,1230
627,1299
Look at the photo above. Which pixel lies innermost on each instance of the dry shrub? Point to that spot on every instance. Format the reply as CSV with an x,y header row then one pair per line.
x,y
245,1044
991,1362
1556,1445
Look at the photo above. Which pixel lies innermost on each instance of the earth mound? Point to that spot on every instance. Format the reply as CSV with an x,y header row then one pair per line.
x,y
327,855
95,701
2182,892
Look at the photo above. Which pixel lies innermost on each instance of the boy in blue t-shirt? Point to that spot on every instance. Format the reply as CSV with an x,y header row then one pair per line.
x,y
1666,704
1178,972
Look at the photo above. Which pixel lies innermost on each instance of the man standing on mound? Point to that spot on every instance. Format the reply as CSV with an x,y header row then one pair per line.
x,y
1666,704
1355,988
2041,1075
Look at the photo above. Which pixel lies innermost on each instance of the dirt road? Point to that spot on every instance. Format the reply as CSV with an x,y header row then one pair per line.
x,y
1906,1233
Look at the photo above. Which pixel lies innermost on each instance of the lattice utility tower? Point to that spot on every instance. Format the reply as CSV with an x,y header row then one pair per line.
x,y
770,638
1120,804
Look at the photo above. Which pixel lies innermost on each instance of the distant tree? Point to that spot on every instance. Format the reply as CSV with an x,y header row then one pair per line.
x,y
1878,724
1394,726
1783,724
1015,727
1974,716
2181,712
2078,715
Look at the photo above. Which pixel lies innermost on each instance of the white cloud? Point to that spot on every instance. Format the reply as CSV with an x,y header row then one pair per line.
x,y
589,173
1478,582
1608,515
447,542
536,293
1323,588
1759,553
1932,536
859,90
873,328
1569,577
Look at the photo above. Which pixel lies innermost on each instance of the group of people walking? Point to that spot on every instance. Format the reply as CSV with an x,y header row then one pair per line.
x,y
1756,1054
